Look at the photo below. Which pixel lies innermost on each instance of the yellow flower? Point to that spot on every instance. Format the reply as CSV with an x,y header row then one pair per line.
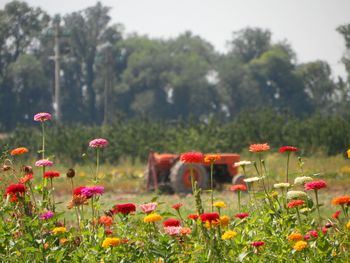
x,y
63,241
348,225
348,153
59,230
229,234
219,204
295,237
334,253
274,194
152,218
300,245
224,220
110,242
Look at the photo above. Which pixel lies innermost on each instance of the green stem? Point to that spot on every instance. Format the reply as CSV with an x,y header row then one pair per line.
x,y
317,205
211,186
52,195
43,137
299,219
344,211
32,193
97,163
239,200
287,167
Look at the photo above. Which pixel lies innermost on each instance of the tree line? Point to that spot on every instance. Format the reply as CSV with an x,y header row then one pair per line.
x,y
106,73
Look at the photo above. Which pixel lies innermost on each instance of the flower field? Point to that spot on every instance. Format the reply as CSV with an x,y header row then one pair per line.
x,y
257,221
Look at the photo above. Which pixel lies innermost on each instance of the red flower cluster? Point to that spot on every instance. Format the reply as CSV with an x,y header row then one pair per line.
x,y
288,149
295,203
177,206
311,234
51,174
257,243
211,217
242,215
171,222
13,189
315,185
192,157
336,214
238,187
193,216
124,208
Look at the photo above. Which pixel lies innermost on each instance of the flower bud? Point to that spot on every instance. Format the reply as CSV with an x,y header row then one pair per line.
x,y
6,168
70,173
27,169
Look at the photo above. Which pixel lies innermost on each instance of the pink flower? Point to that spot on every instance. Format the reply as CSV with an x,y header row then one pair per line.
x,y
177,206
315,185
46,216
312,233
149,207
98,143
173,230
93,190
242,215
43,162
42,116
257,243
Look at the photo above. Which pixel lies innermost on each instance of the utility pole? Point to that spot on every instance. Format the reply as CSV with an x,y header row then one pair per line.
x,y
57,100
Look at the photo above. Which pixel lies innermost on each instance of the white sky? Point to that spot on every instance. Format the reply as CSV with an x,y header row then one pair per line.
x,y
308,25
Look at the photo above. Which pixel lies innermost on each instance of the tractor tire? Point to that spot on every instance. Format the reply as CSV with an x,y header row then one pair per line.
x,y
180,177
238,179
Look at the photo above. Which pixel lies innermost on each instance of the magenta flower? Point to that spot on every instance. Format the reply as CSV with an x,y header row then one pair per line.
x,y
149,207
43,162
315,185
92,191
98,143
42,116
173,230
46,216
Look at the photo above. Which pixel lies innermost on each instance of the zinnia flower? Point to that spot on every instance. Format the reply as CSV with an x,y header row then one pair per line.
x,y
59,230
257,243
211,217
149,207
313,233
177,206
92,191
343,200
171,222
252,179
42,116
111,242
26,178
124,209
296,194
288,149
348,152
106,220
193,216
51,174
224,220
348,225
211,158
43,162
98,143
295,203
241,215
302,179
295,237
238,187
19,151
300,245
260,147
186,230
336,214
173,230
46,216
281,185
315,185
151,218
192,157
228,235
242,163
13,189
77,200
77,190
219,204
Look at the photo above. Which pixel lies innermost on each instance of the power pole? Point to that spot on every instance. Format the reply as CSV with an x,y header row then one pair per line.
x,y
57,99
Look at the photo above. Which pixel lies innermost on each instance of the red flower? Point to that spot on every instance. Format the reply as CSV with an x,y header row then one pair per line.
x,y
177,206
211,217
171,222
295,203
260,147
51,174
108,232
312,233
106,220
257,243
77,190
238,187
193,216
336,214
15,188
315,185
288,149
192,157
124,208
242,215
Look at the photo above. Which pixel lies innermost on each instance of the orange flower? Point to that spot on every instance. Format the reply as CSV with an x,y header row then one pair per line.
x,y
185,231
26,178
341,200
211,158
260,147
106,220
19,151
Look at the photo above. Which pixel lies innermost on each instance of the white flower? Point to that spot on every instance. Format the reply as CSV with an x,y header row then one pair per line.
x,y
305,210
242,163
281,185
296,194
252,179
302,180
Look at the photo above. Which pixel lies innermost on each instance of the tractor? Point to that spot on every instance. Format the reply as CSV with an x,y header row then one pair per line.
x,y
166,173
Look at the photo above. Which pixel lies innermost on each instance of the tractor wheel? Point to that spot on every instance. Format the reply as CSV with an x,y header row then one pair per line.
x,y
238,179
180,177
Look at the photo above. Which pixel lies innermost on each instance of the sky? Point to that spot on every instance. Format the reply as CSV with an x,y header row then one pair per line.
x,y
308,25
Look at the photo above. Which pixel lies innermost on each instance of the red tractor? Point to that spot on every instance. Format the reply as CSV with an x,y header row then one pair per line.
x,y
165,172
